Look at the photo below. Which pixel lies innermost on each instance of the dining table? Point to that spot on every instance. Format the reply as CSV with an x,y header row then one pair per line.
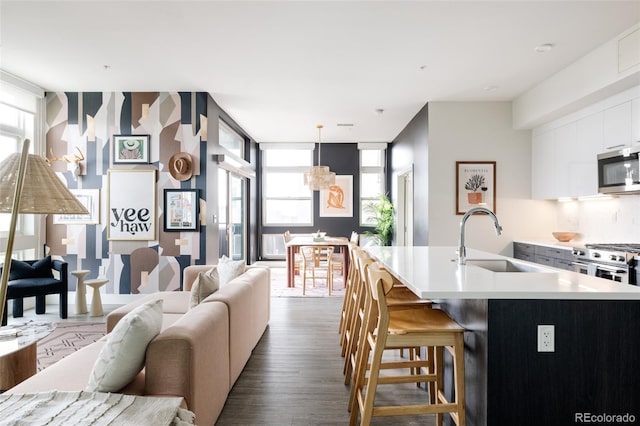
x,y
293,247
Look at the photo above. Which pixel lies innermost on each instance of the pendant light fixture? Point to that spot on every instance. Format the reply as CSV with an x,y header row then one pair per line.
x,y
319,177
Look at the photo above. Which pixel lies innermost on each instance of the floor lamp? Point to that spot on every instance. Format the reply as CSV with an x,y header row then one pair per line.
x,y
28,185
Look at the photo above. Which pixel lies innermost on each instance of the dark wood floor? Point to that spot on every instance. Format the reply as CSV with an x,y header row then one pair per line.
x,y
294,376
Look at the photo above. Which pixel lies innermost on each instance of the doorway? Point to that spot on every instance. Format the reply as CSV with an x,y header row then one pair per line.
x,y
232,190
405,208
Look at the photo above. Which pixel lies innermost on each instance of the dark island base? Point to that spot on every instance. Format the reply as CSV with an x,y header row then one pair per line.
x,y
594,371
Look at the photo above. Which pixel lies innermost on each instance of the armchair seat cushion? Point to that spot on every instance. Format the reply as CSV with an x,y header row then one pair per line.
x,y
26,287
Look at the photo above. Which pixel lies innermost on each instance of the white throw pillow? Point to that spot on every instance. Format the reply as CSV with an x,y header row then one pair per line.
x,y
122,357
229,269
206,283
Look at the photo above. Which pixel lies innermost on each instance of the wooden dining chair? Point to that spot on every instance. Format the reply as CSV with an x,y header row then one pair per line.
x,y
317,261
297,257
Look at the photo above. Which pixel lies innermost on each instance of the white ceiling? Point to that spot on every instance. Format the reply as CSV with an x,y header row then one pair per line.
x,y
280,68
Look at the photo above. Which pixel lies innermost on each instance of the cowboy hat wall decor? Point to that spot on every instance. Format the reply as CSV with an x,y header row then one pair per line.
x,y
181,166
130,149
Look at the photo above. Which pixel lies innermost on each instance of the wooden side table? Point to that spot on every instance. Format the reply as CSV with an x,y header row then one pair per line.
x,y
81,292
96,300
18,353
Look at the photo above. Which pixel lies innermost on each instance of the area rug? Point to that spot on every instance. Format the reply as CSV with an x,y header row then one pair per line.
x,y
279,285
67,338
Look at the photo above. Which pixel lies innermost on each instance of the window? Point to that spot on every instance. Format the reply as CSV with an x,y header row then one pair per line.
x,y
286,199
230,139
19,117
372,178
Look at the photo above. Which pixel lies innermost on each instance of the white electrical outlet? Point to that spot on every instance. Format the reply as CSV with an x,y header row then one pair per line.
x,y
546,338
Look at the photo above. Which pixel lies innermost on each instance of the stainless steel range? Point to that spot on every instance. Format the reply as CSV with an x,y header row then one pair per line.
x,y
615,262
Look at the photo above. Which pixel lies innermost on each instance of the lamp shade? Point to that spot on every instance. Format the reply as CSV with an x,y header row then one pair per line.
x,y
42,190
319,177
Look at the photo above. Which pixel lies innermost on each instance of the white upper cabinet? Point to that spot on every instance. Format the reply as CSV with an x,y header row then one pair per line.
x,y
543,166
635,121
564,144
617,127
584,164
564,152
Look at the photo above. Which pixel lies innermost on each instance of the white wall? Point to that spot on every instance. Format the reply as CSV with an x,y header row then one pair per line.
x,y
602,221
590,79
482,131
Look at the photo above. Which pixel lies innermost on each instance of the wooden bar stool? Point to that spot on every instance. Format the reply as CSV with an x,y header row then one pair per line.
x,y
407,327
354,334
349,298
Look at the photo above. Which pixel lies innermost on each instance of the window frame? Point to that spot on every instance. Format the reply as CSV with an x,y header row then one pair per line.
x,y
265,170
380,170
24,98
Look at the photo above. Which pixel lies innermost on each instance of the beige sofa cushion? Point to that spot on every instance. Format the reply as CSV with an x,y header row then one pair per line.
x,y
122,358
205,284
174,303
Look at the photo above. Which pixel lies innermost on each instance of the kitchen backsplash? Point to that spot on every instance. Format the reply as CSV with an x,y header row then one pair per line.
x,y
613,220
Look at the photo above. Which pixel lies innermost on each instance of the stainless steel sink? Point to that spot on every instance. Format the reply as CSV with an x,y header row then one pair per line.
x,y
506,265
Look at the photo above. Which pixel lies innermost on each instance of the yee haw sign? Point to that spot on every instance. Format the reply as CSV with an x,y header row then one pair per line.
x,y
132,201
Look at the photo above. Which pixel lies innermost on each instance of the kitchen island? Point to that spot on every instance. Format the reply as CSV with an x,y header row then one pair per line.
x,y
595,368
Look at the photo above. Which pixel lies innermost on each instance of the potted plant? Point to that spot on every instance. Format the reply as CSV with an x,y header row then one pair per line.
x,y
382,212
474,183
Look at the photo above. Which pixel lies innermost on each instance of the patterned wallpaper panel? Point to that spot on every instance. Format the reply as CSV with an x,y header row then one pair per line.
x,y
82,125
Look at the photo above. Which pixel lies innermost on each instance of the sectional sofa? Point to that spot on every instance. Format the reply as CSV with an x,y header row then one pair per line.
x,y
199,353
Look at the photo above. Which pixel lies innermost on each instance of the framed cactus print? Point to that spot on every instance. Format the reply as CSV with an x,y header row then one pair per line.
x,y
475,185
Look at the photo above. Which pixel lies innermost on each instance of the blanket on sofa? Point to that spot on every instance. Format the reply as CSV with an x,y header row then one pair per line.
x,y
94,408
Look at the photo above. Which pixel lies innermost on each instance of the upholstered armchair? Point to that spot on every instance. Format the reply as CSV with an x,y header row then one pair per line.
x,y
35,278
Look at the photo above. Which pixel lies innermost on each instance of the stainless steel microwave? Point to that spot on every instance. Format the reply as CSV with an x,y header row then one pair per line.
x,y
619,171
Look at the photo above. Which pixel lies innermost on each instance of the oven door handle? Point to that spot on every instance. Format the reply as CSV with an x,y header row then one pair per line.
x,y
602,267
611,269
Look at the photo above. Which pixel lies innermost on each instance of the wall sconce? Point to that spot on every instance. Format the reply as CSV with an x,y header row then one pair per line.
x,y
234,165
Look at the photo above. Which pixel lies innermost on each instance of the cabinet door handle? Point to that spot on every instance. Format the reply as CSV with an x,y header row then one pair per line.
x,y
615,146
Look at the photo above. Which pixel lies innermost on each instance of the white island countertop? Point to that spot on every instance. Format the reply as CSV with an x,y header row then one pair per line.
x,y
433,273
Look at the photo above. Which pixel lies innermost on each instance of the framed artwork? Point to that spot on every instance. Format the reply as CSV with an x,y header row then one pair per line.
x,y
131,204
130,149
181,210
90,199
475,185
337,201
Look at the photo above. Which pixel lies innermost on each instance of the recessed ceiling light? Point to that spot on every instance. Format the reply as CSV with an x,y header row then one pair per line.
x,y
423,67
491,88
543,48
344,124
379,111
106,67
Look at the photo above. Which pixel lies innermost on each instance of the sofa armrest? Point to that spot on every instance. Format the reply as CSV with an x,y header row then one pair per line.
x,y
191,359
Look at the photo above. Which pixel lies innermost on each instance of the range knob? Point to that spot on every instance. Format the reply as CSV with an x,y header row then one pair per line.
x,y
621,258
614,257
596,255
578,252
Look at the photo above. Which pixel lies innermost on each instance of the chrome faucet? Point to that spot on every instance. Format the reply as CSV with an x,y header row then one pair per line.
x,y
462,250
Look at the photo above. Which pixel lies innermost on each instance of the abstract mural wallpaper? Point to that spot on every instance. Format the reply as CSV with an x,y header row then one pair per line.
x,y
84,124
